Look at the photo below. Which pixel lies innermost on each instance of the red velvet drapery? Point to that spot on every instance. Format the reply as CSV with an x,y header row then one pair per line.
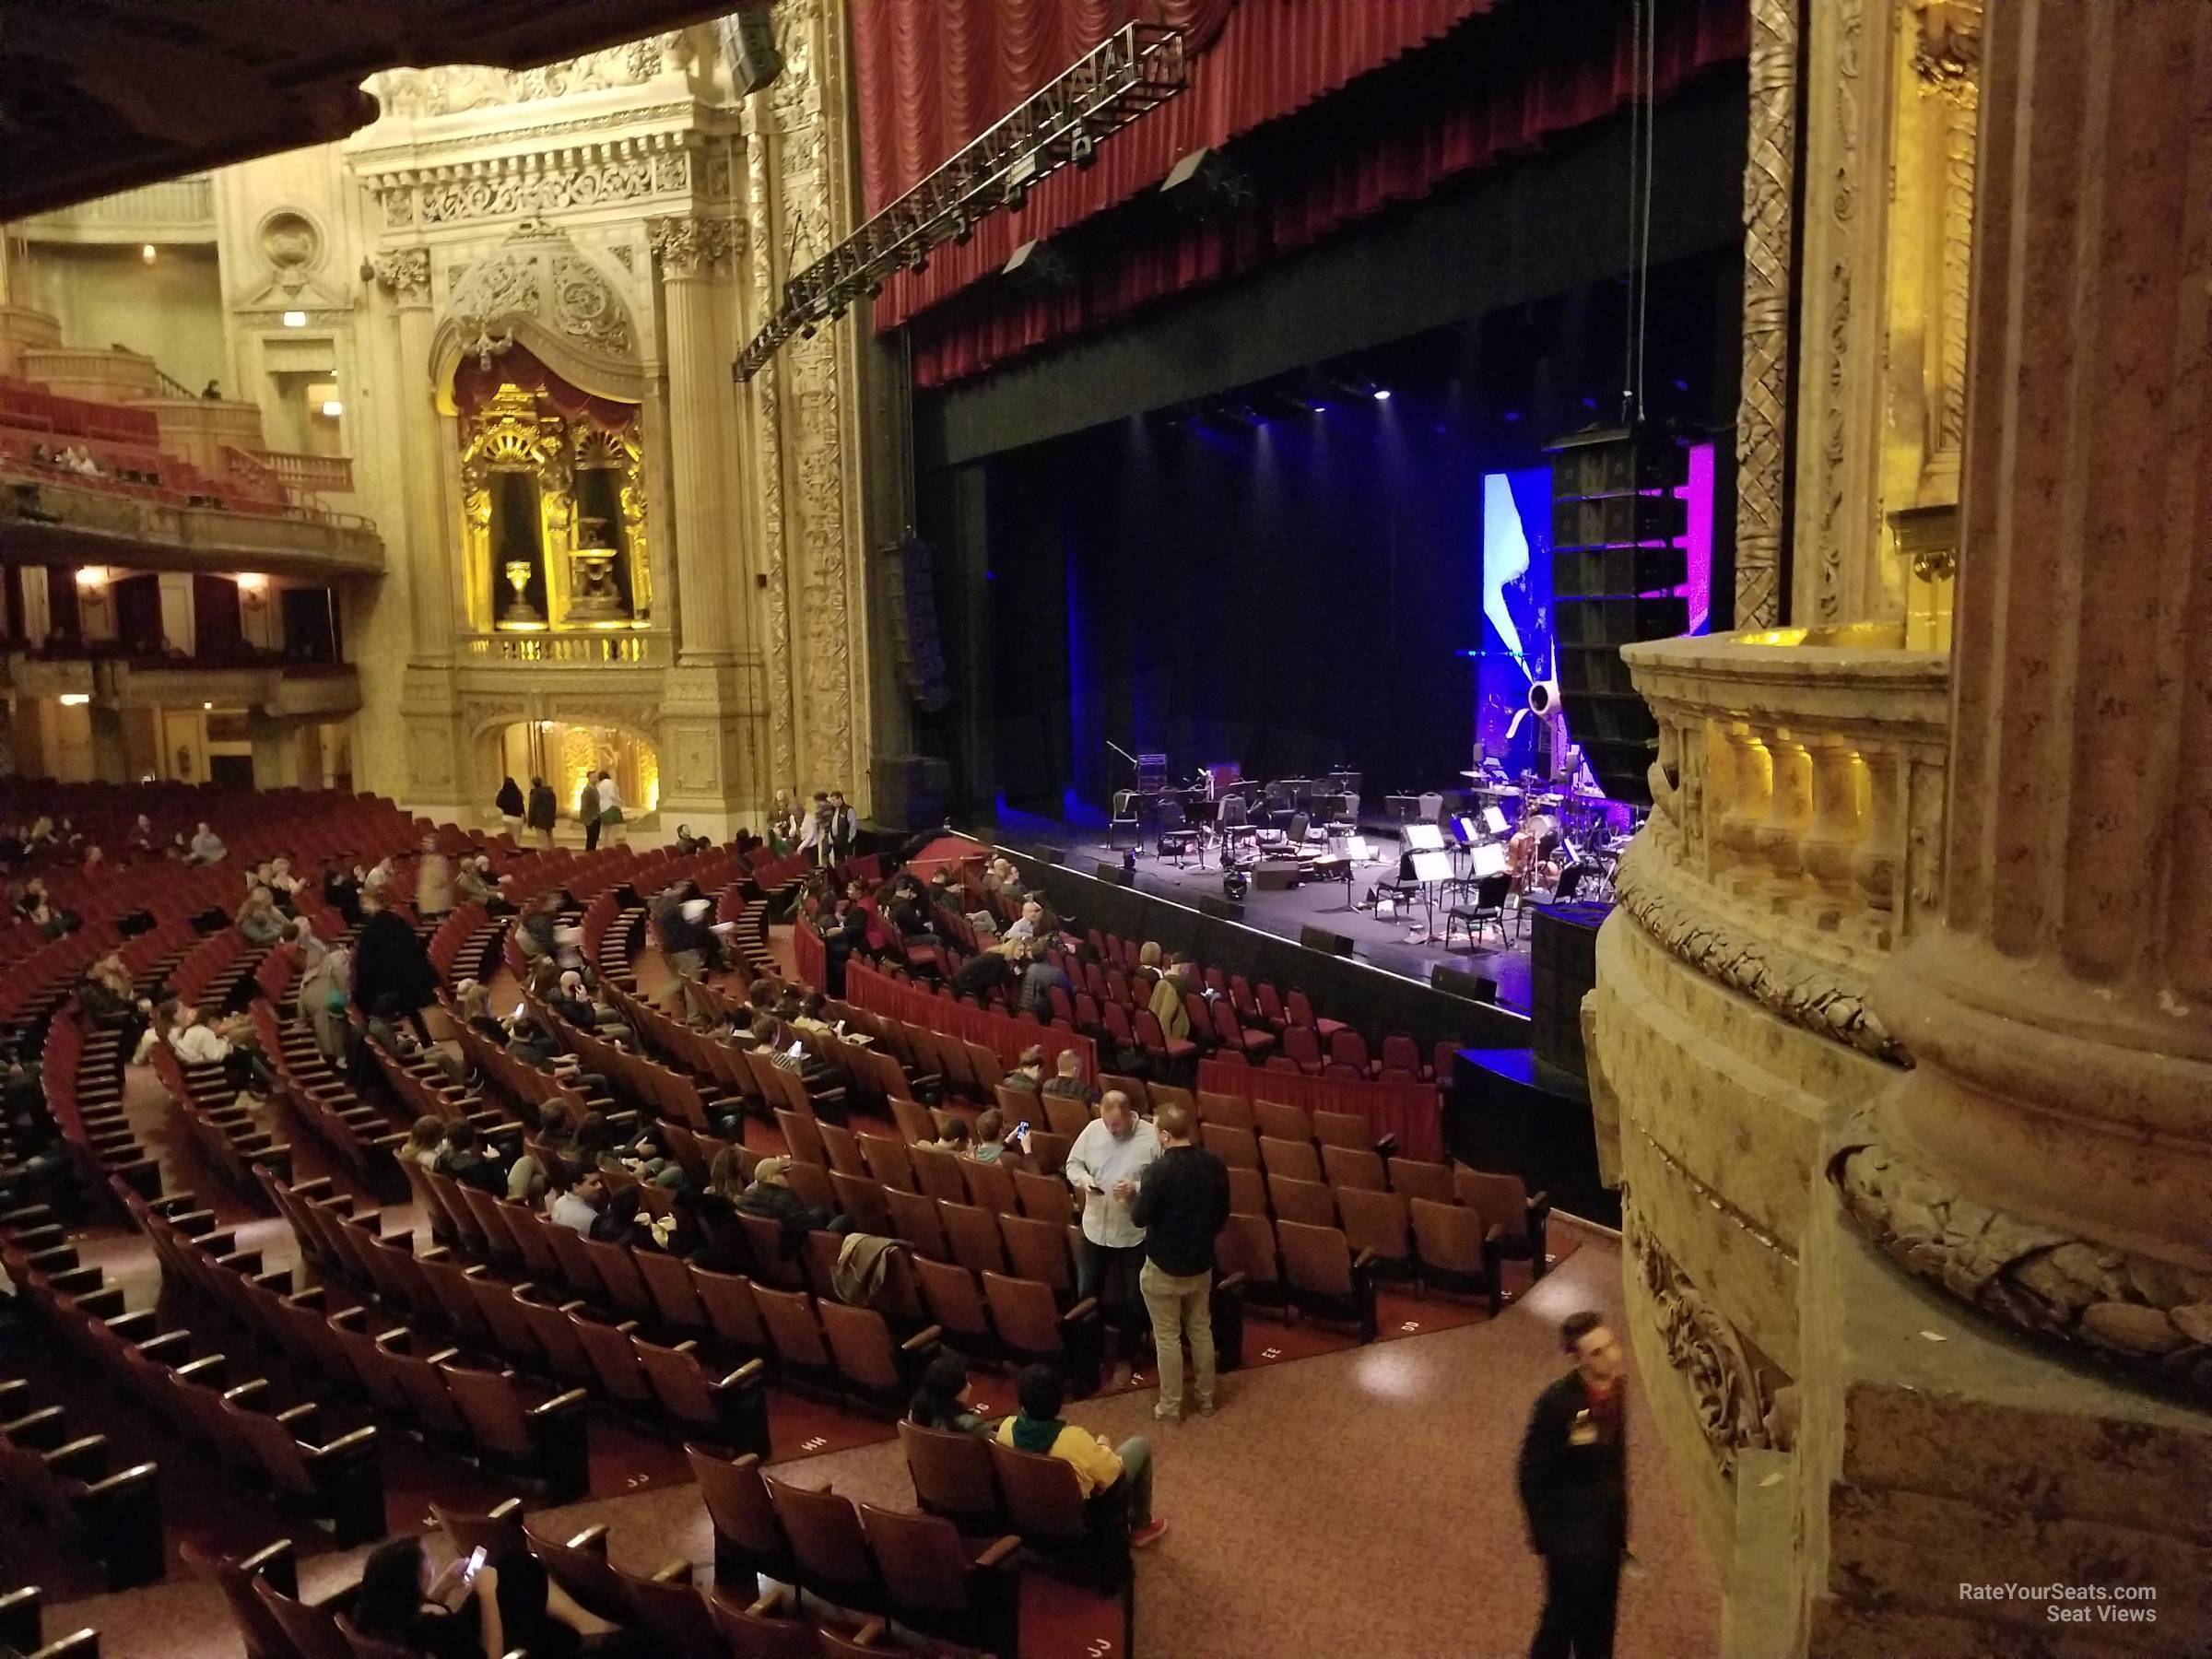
x,y
475,385
933,73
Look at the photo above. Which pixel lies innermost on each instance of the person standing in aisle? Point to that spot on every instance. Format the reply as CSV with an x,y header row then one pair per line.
x,y
1574,1490
587,811
1182,1204
611,809
509,802
543,811
1103,1168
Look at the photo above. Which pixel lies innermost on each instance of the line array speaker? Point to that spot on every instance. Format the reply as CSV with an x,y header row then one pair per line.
x,y
1616,553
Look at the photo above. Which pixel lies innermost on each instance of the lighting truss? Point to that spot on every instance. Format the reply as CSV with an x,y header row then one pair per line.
x,y
1135,69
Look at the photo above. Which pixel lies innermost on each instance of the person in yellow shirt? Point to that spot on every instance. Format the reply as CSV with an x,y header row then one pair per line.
x,y
1126,1472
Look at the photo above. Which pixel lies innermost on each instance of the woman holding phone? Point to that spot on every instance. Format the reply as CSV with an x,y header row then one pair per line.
x,y
475,1607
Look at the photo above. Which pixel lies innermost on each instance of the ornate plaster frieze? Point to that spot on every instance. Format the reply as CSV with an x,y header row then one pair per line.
x,y
688,245
1819,997
537,288
403,272
457,89
1727,1389
1763,412
2127,1310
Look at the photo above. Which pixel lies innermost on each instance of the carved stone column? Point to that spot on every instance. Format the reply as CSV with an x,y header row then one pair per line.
x,y
2051,1155
695,255
405,275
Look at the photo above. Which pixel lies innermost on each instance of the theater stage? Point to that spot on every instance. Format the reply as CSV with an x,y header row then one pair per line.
x,y
1283,913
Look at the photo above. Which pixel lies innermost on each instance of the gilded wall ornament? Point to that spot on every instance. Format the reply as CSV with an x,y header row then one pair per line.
x,y
1727,1393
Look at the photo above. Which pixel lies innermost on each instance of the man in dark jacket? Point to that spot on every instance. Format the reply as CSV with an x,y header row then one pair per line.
x,y
389,960
543,811
770,1194
1181,1203
1574,1490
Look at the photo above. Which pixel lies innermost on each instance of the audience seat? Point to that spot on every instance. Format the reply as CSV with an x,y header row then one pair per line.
x,y
546,1444
1327,1281
1046,1507
1504,1201
829,1552
953,1477
749,1544
1033,1330
1455,1250
932,1583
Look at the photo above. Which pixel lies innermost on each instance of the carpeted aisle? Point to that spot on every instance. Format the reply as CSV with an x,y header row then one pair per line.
x,y
1362,1501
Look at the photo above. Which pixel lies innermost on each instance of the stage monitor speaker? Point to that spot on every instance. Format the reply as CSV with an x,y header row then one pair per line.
x,y
1616,533
1048,855
1225,909
1321,938
1274,875
1455,983
1113,874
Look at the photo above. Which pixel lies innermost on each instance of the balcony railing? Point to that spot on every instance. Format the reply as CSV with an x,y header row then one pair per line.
x,y
608,645
310,473
1799,796
170,210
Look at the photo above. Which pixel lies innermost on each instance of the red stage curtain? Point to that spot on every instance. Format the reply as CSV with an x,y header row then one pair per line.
x,y
475,385
1003,1034
1409,1110
932,73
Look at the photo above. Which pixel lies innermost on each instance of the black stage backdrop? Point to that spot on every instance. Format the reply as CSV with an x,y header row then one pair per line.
x,y
1289,595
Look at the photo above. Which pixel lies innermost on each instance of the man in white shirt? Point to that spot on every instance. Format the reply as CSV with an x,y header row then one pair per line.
x,y
1025,927
1103,1168
610,810
579,1207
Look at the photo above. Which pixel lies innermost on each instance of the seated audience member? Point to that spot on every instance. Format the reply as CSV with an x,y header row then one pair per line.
x,y
770,1195
1067,1079
1039,980
37,907
580,1201
989,968
259,920
952,1134
463,1158
809,1016
473,998
1028,1075
994,1141
576,1006
511,1607
535,1046
534,934
1147,965
1100,1467
1167,998
425,1141
1031,923
205,847
142,838
106,997
530,1175
282,884
230,1044
941,1401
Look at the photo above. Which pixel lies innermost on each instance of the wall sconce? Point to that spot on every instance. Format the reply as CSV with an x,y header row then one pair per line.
x,y
252,590
295,319
145,251
92,576
74,700
333,407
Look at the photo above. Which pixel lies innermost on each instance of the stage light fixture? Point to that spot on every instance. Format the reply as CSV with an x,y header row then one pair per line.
x,y
963,229
806,332
1382,394
1083,149
1235,885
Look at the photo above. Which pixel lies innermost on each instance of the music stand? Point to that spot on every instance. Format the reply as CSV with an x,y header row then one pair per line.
x,y
1431,870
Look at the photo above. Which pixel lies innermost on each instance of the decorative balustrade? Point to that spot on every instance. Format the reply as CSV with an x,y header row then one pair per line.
x,y
1798,792
158,212
598,645
309,474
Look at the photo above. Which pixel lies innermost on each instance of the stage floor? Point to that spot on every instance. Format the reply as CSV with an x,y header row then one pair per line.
x,y
1283,913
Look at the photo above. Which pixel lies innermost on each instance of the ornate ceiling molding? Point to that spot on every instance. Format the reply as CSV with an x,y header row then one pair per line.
x,y
564,176
539,290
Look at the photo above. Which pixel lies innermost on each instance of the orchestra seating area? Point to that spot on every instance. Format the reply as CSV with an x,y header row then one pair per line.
x,y
332,1336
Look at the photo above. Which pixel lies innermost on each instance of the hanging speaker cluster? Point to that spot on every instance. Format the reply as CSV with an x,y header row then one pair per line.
x,y
1618,564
